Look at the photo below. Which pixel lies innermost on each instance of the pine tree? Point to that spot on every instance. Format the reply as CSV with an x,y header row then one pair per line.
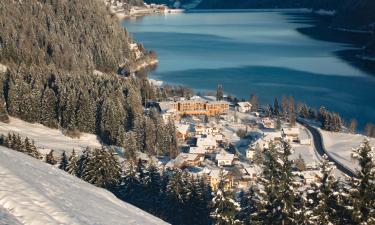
x,y
82,161
276,109
278,123
175,195
72,166
224,207
8,140
50,158
48,107
324,202
254,103
172,140
219,92
362,187
16,143
152,187
129,189
130,146
277,202
86,113
248,202
63,162
370,130
284,106
102,168
30,149
353,126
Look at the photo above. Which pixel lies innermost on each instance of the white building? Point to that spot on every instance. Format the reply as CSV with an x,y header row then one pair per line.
x,y
311,176
206,130
182,131
244,107
290,133
206,143
197,150
224,159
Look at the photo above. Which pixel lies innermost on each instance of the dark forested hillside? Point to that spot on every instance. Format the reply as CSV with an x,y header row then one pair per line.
x,y
69,34
62,57
349,12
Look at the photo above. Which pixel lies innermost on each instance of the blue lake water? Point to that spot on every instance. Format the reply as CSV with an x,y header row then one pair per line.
x,y
256,52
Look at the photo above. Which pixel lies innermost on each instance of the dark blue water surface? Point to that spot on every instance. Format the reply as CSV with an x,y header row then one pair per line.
x,y
256,52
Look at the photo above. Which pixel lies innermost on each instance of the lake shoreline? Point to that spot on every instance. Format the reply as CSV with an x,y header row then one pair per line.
x,y
283,82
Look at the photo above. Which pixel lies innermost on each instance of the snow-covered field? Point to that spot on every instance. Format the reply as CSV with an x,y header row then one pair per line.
x,y
340,146
47,138
36,193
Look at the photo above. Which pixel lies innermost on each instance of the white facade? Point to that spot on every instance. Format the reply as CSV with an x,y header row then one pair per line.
x,y
244,107
224,159
291,134
197,150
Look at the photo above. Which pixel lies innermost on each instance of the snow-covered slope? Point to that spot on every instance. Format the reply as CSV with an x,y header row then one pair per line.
x,y
340,146
47,138
33,192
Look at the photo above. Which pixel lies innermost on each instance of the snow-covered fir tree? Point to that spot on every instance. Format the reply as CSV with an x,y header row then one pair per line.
x,y
30,149
50,158
323,197
102,168
63,161
224,207
362,187
277,197
82,161
248,203
130,146
72,166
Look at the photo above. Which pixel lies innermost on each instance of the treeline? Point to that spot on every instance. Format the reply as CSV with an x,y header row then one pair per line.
x,y
15,142
173,195
103,104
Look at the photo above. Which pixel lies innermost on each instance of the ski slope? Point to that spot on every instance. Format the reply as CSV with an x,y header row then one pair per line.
x,y
35,193
47,138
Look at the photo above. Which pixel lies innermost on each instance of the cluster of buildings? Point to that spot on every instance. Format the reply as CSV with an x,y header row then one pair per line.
x,y
204,144
175,109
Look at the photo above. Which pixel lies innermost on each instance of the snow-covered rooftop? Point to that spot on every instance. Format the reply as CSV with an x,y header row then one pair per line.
x,y
224,156
244,104
290,131
197,150
182,128
206,142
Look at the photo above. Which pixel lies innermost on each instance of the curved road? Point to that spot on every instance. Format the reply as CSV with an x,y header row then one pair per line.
x,y
319,147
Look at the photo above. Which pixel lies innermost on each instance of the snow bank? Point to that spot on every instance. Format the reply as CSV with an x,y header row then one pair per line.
x,y
340,146
37,193
47,138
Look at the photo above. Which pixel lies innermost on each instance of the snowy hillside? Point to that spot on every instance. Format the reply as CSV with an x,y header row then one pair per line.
x,y
47,138
341,145
32,192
